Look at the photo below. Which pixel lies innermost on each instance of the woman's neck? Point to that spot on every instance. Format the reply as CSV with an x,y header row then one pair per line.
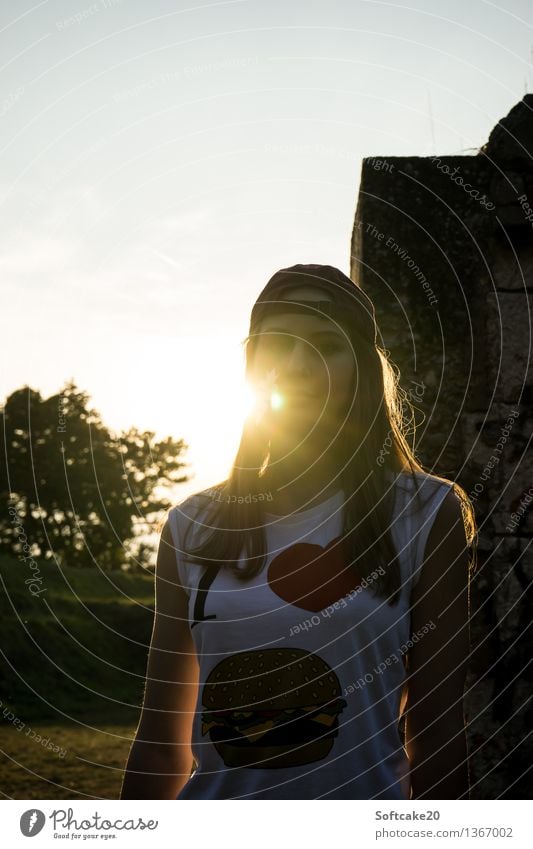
x,y
300,485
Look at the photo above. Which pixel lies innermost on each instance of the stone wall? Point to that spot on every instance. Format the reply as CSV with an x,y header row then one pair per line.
x,y
444,246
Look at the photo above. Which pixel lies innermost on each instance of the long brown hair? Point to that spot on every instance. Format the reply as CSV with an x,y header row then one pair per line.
x,y
380,423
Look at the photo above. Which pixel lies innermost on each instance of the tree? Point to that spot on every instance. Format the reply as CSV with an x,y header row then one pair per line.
x,y
76,492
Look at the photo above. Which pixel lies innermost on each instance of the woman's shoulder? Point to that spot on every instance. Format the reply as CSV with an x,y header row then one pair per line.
x,y
420,488
420,479
197,502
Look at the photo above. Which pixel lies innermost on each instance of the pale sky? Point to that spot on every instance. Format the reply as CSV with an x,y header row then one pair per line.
x,y
160,160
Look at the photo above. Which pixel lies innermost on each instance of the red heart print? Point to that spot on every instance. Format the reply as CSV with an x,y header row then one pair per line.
x,y
312,577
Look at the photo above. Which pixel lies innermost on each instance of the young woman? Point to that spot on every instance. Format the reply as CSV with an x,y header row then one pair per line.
x,y
311,627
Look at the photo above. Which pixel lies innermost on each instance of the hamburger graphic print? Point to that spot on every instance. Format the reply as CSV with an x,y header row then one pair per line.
x,y
272,708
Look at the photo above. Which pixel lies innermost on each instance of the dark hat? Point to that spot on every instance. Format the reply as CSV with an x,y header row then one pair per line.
x,y
347,302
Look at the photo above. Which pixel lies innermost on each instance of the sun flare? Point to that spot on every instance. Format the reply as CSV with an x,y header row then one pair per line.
x,y
262,396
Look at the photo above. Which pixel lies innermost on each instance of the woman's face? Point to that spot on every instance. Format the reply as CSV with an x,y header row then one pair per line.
x,y
314,366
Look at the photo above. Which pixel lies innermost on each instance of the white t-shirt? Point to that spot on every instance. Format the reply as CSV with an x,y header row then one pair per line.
x,y
301,671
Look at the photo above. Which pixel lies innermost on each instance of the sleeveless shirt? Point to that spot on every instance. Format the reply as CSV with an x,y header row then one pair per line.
x,y
302,667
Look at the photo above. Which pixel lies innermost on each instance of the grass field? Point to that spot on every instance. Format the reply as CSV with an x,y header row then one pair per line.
x,y
88,766
72,666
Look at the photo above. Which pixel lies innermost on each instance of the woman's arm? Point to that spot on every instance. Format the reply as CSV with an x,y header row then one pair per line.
x,y
160,759
435,729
